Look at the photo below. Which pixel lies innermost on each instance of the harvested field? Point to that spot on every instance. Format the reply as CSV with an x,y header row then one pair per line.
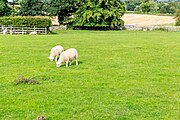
x,y
141,20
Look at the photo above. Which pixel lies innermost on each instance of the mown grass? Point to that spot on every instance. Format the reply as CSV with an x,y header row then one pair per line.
x,y
121,75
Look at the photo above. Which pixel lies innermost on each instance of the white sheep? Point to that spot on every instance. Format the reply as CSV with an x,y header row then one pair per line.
x,y
55,52
4,31
33,33
66,56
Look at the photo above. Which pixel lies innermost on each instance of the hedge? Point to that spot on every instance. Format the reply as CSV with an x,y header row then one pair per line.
x,y
97,28
37,21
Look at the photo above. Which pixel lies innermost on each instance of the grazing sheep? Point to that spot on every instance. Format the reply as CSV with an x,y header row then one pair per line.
x,y
55,52
33,33
66,56
4,31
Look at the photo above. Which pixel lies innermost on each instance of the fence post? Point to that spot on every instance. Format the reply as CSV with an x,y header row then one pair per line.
x,y
45,30
22,30
11,30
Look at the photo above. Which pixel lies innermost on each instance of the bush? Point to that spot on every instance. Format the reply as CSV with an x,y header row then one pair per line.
x,y
178,18
37,21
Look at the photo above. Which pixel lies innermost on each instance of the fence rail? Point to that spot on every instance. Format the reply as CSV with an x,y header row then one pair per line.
x,y
21,30
150,28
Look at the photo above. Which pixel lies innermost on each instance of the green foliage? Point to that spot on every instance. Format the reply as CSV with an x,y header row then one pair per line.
x,y
147,6
100,13
178,18
62,8
5,10
31,8
26,21
167,8
131,4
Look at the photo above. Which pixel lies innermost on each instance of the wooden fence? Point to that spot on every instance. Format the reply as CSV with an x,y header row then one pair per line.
x,y
22,30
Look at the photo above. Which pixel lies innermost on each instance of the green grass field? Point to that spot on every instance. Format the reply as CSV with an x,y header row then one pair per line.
x,y
122,75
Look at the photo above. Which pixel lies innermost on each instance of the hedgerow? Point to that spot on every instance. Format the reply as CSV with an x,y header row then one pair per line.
x,y
37,21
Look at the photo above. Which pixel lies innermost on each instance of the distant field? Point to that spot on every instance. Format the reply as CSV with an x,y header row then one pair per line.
x,y
122,75
147,20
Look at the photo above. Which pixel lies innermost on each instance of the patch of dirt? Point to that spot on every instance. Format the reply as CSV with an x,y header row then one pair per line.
x,y
141,20
24,80
40,118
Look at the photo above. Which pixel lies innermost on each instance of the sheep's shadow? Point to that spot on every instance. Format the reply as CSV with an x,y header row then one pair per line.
x,y
73,64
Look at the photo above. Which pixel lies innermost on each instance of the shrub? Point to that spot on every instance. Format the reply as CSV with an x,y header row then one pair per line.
x,y
178,18
37,21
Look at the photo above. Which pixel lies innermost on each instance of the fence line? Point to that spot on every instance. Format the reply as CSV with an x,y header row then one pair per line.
x,y
150,28
21,30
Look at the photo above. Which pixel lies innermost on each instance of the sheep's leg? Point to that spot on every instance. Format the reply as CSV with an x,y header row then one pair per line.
x,y
56,58
66,63
70,62
76,62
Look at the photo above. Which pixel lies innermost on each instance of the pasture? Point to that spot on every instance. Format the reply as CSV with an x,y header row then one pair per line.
x,y
122,75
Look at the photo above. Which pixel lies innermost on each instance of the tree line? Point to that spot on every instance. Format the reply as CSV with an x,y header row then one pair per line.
x,y
85,12
149,6
74,12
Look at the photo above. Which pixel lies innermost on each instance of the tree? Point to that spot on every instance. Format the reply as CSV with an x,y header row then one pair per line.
x,y
5,10
62,8
100,13
169,7
147,6
31,8
131,4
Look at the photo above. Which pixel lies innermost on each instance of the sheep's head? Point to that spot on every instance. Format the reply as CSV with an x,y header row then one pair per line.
x,y
51,58
58,64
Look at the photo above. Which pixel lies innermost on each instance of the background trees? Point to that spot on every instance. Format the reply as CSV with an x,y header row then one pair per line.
x,y
149,6
100,13
62,8
132,4
31,8
5,10
168,7
86,12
